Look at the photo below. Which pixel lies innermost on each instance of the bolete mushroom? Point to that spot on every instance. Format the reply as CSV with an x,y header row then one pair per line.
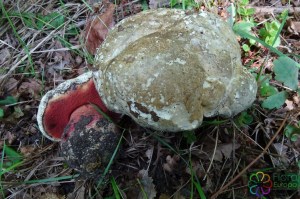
x,y
69,114
164,68
167,70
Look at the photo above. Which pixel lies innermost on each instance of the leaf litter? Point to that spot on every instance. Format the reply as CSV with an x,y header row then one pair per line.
x,y
146,156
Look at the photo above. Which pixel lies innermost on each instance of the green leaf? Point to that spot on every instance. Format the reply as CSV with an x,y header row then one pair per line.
x,y
232,12
190,136
275,101
173,3
243,2
52,20
267,90
270,33
292,132
145,5
1,113
245,26
8,100
246,47
246,35
286,71
271,41
12,157
245,118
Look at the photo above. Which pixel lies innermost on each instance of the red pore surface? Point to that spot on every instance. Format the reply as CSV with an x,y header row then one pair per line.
x,y
60,108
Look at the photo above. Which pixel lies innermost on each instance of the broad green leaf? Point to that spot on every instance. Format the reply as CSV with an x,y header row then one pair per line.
x,y
245,26
8,100
292,132
267,90
275,101
286,71
52,20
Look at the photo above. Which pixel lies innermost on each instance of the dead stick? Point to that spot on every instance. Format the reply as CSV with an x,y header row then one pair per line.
x,y
253,161
275,10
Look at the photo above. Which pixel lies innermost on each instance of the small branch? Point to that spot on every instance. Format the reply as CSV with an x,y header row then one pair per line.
x,y
275,10
249,165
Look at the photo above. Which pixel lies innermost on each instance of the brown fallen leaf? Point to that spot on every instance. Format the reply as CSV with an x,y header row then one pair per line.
x,y
289,105
225,150
31,87
97,29
4,55
154,4
171,163
147,184
27,151
11,86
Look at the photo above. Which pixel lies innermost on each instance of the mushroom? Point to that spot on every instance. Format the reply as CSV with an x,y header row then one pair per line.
x,y
164,68
167,70
69,114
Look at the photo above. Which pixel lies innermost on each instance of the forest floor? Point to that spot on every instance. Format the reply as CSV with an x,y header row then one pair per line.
x,y
43,43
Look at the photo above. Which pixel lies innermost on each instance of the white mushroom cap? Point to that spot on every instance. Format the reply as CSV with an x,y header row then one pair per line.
x,y
168,69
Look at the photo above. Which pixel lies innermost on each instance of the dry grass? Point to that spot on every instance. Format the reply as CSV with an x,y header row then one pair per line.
x,y
217,156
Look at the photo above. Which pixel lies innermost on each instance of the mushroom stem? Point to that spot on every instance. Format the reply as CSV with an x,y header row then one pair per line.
x,y
85,116
89,140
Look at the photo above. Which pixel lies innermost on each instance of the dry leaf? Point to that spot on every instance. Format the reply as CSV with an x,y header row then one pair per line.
x,y
148,186
32,87
149,154
11,86
171,163
153,4
293,27
9,137
296,99
289,105
4,55
225,150
27,151
97,29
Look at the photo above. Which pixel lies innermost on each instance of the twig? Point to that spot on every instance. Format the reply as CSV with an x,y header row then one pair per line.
x,y
249,165
275,10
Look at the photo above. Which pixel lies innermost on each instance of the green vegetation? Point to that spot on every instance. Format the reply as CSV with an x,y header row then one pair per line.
x,y
7,101
276,86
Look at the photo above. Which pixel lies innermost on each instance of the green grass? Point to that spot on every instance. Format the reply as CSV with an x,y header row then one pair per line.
x,y
62,21
116,189
101,182
24,46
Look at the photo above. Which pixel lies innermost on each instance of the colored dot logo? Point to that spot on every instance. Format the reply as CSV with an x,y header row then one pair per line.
x,y
260,184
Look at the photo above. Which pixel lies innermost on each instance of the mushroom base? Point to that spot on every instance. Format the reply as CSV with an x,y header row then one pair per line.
x,y
89,141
